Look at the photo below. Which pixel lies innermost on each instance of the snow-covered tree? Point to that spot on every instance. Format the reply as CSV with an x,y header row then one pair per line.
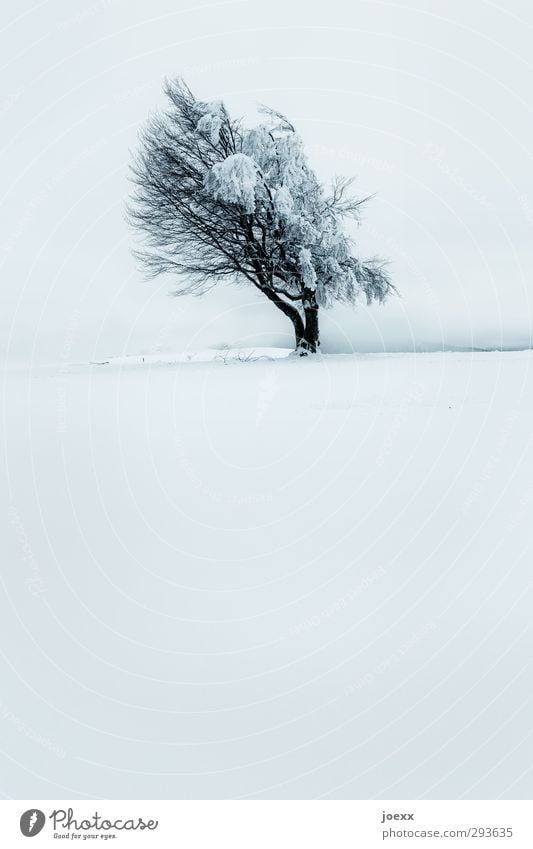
x,y
216,200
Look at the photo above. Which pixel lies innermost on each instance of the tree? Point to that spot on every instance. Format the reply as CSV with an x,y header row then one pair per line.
x,y
218,201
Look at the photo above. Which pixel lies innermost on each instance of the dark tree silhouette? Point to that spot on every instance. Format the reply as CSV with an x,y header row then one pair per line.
x,y
218,201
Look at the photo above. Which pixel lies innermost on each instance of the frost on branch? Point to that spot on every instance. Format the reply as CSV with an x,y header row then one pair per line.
x,y
210,125
283,202
233,180
306,269
217,200
209,107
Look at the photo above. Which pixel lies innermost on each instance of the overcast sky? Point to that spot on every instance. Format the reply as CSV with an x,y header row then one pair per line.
x,y
427,102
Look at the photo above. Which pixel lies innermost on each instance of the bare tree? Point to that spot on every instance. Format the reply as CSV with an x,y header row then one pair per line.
x,y
218,201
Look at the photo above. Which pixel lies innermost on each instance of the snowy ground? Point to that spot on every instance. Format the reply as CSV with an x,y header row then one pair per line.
x,y
284,578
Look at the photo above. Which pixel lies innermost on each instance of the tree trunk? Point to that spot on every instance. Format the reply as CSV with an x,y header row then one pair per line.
x,y
305,328
310,342
311,339
291,312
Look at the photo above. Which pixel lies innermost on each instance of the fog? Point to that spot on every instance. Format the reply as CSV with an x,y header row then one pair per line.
x,y
428,106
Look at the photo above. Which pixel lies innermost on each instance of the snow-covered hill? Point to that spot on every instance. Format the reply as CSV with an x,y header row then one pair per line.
x,y
244,575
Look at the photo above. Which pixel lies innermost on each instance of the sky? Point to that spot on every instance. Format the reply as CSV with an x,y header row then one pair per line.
x,y
427,103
